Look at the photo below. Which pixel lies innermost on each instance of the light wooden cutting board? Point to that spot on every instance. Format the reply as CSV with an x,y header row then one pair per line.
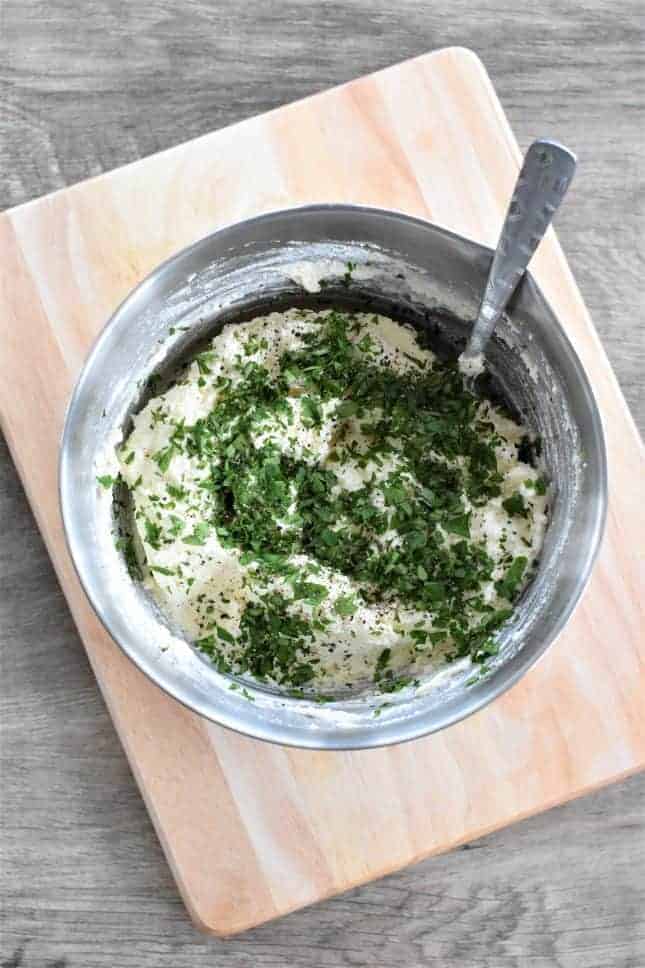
x,y
250,830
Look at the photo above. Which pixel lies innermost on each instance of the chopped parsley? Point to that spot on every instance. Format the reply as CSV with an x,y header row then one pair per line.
x,y
160,570
163,458
403,535
508,585
152,533
199,534
345,605
515,505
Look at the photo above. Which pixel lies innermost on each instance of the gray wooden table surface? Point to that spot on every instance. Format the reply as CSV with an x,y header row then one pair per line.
x,y
86,85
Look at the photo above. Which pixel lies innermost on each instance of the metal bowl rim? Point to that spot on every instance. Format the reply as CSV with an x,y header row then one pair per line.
x,y
416,727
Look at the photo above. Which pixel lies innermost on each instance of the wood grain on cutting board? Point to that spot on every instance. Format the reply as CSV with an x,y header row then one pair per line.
x,y
252,830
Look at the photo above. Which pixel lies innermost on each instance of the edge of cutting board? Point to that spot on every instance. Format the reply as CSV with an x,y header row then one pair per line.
x,y
462,53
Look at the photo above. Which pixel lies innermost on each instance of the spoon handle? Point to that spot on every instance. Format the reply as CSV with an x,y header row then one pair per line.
x,y
540,187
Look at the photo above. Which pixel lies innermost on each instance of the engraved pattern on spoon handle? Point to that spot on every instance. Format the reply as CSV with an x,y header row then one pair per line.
x,y
541,185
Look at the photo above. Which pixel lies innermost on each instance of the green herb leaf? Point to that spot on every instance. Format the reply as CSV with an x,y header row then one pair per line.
x,y
204,361
345,605
312,593
161,570
347,278
311,412
177,492
224,635
153,534
347,409
434,591
508,585
106,480
199,534
458,524
330,537
163,457
515,504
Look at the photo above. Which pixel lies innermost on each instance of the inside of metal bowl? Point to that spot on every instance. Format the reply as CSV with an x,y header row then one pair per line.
x,y
419,275
442,330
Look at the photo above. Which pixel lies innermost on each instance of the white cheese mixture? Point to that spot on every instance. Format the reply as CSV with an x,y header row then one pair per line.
x,y
304,524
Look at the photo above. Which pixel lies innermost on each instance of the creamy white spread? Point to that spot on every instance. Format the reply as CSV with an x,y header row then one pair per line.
x,y
319,502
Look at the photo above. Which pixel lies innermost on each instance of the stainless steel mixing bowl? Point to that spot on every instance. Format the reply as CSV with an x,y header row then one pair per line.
x,y
407,268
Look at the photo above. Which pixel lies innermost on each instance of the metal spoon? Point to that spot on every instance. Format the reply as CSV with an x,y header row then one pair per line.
x,y
540,187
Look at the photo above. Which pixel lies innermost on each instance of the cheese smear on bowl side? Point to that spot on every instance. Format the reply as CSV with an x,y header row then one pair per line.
x,y
319,503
